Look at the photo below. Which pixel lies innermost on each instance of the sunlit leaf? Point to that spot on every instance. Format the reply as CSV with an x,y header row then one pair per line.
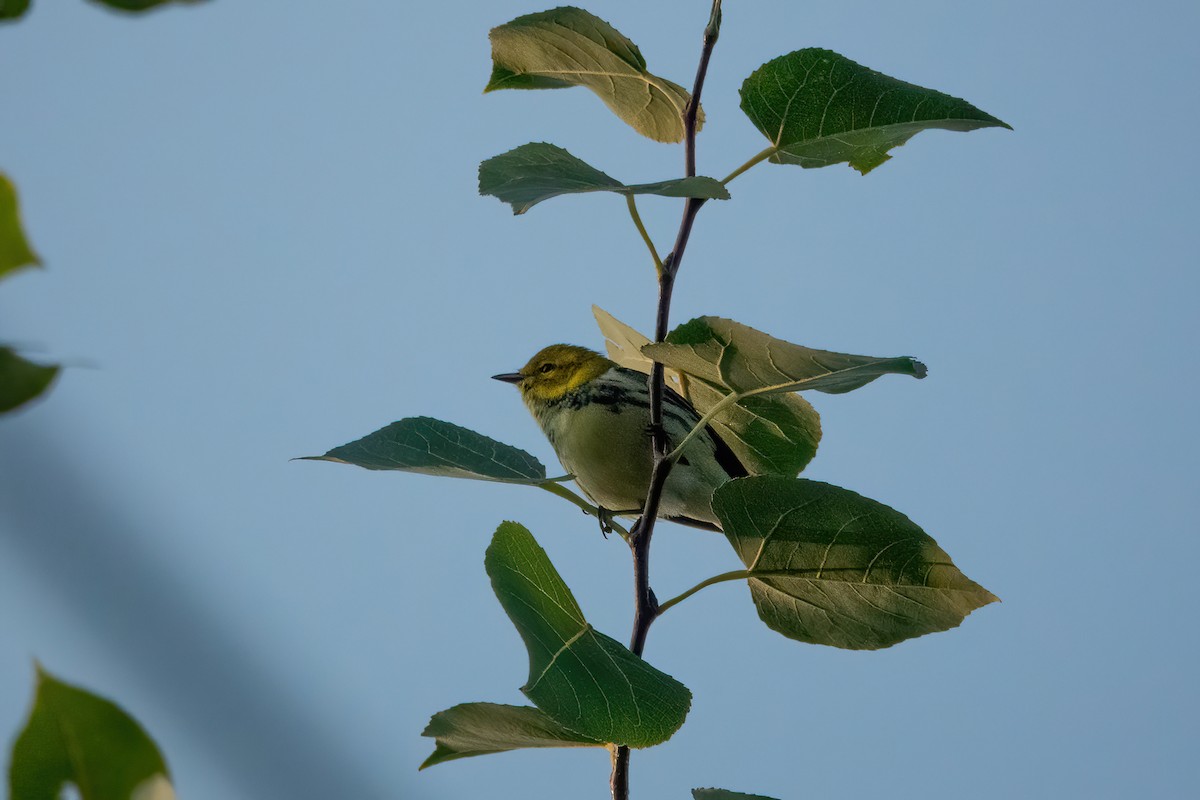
x,y
819,108
584,680
74,737
21,380
534,172
725,794
476,729
15,251
741,359
839,569
624,345
433,447
775,434
568,46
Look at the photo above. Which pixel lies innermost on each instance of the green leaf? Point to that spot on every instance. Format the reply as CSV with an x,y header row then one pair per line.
x,y
534,172
75,737
819,108
568,46
624,345
21,380
770,435
11,9
476,729
15,251
741,359
725,794
586,681
139,5
433,447
839,569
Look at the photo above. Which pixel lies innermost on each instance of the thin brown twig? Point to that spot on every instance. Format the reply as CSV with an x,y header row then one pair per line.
x,y
645,604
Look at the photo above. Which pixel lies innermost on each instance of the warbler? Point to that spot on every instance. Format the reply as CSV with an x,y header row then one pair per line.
x,y
596,415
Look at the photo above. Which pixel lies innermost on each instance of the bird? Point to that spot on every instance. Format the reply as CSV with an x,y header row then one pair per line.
x,y
596,415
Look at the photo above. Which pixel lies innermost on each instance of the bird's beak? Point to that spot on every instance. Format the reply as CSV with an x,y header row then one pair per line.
x,y
509,377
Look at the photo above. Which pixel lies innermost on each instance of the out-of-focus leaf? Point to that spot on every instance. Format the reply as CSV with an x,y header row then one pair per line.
x,y
534,172
568,46
838,569
21,380
140,5
12,9
584,680
15,251
476,729
74,737
433,447
741,359
819,108
725,794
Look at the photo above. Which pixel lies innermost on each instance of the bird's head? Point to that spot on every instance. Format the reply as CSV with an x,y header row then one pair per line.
x,y
555,371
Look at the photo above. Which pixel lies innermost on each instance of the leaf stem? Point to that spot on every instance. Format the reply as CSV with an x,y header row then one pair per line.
x,y
637,220
735,575
738,575
645,607
722,404
758,159
561,491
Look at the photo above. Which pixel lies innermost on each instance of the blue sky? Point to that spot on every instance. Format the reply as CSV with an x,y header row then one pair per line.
x,y
263,239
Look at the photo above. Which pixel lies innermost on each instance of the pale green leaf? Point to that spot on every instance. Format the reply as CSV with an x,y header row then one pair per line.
x,y
15,251
741,359
21,380
584,680
476,729
725,794
568,46
624,345
775,434
74,737
433,447
534,172
838,569
819,108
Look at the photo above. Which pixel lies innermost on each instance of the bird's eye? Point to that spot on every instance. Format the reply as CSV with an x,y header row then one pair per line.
x,y
546,368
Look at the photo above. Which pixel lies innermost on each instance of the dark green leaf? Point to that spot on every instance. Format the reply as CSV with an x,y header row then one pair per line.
x,y
476,729
139,5
770,435
584,680
74,737
819,108
568,46
532,173
433,447
11,9
839,569
725,794
21,380
15,251
741,359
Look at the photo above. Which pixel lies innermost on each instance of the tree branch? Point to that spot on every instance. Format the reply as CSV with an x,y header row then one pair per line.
x,y
645,604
